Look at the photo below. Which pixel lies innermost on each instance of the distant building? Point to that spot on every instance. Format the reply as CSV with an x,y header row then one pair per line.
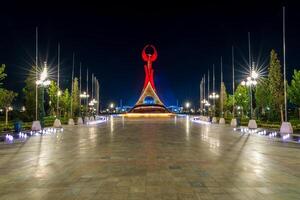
x,y
175,109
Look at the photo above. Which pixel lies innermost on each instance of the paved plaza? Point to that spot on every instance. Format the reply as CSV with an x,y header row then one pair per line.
x,y
150,159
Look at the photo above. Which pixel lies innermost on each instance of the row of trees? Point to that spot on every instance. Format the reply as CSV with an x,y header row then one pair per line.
x,y
268,95
66,99
6,96
52,95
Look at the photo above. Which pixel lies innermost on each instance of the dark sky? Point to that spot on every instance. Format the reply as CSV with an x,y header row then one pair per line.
x,y
109,39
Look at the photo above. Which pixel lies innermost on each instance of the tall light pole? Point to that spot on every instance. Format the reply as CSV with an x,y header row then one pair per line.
x,y
80,88
221,88
286,127
36,72
72,86
233,102
250,69
284,67
58,86
87,88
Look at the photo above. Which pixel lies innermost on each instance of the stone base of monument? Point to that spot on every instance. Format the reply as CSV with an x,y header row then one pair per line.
x,y
233,122
222,120
36,126
57,123
71,122
214,120
79,121
86,120
252,124
286,128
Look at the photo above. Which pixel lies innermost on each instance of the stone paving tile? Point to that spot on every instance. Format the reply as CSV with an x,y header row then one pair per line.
x,y
159,159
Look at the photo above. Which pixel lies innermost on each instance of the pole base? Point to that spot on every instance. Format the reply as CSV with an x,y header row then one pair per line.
x,y
36,126
233,122
86,120
214,120
222,121
92,118
252,124
286,128
71,122
57,123
79,121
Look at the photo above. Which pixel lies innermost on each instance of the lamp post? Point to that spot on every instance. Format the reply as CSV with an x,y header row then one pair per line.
x,y
250,82
42,83
214,95
111,106
187,106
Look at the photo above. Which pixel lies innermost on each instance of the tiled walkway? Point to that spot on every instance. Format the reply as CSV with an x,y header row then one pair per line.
x,y
149,159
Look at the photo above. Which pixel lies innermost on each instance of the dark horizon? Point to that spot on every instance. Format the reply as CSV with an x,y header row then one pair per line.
x,y
109,42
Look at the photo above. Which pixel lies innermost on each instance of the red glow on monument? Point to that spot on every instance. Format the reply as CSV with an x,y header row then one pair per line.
x,y
149,58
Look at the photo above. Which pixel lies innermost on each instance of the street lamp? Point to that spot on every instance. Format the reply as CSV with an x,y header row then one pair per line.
x,y
85,96
187,106
250,82
43,82
214,96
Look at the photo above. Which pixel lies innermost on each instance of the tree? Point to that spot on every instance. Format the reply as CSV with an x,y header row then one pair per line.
x,y
65,103
229,103
262,95
2,74
53,91
75,98
223,99
294,90
241,97
275,82
6,99
29,97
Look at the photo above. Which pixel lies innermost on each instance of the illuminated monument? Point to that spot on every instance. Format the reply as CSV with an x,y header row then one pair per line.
x,y
149,102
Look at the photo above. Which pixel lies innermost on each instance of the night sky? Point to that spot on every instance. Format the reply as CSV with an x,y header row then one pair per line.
x,y
109,40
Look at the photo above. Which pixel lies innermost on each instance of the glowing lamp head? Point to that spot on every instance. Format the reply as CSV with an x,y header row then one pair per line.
x,y
111,105
254,74
44,73
187,104
59,93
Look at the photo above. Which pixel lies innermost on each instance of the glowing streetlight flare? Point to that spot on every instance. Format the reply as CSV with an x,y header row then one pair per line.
x,y
187,104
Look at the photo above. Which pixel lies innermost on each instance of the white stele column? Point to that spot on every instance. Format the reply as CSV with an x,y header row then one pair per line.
x,y
252,124
214,120
86,120
36,126
222,120
286,128
71,122
79,121
57,123
233,122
